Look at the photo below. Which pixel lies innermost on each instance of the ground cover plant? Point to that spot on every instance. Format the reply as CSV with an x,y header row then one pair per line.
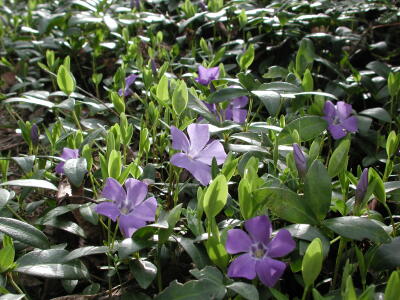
x,y
199,149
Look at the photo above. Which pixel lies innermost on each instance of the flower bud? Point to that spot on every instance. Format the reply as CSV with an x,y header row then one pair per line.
x,y
34,135
362,187
300,160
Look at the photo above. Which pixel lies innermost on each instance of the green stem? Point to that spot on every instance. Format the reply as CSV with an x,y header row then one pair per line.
x,y
391,219
305,292
342,245
15,285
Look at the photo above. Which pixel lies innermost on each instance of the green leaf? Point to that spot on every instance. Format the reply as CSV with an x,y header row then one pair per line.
x,y
312,262
180,98
31,183
308,127
191,290
41,257
12,297
379,189
247,58
226,94
246,290
4,197
131,245
195,251
338,160
358,228
114,164
318,189
75,169
7,254
305,56
270,99
65,80
143,271
378,113
392,290
54,271
350,293
387,256
289,206
85,251
172,217
24,233
162,90
216,196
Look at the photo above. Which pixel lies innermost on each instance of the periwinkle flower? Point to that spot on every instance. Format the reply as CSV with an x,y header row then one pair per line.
x,y
207,75
299,160
259,251
128,82
67,154
198,151
339,120
362,187
234,111
129,206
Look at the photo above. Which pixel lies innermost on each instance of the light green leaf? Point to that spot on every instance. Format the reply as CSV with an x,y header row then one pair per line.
x,y
216,196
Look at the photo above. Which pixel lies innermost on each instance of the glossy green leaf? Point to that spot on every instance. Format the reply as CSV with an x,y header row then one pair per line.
x,y
338,160
143,271
358,228
318,189
172,218
191,290
75,169
180,98
246,290
289,206
216,196
312,262
226,94
34,183
378,113
65,80
308,127
387,256
392,290
270,99
24,232
54,271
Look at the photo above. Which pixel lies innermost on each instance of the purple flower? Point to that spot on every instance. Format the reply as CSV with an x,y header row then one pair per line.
x,y
66,155
299,160
259,251
131,208
198,151
234,111
362,187
207,75
128,82
339,120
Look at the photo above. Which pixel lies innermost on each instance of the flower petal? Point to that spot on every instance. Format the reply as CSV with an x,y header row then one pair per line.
x,y
239,102
136,191
213,73
199,170
199,136
269,270
129,224
69,153
113,190
350,124
129,80
60,168
337,131
145,211
179,140
281,244
239,115
329,111
203,76
237,241
214,149
243,266
259,228
343,110
108,209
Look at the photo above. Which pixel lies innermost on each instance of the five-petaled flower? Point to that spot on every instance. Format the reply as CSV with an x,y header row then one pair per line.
x,y
207,75
67,154
259,251
234,111
128,82
339,120
130,205
198,153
